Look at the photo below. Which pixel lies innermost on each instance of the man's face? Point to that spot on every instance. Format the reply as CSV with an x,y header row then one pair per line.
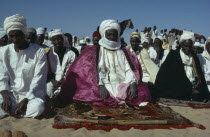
x,y
157,43
208,47
57,41
135,43
145,45
187,47
96,40
17,37
31,37
88,40
40,39
154,28
112,35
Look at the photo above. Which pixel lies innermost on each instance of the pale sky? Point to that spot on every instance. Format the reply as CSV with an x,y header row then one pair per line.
x,y
81,17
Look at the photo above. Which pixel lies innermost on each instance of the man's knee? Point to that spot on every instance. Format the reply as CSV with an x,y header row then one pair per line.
x,y
35,108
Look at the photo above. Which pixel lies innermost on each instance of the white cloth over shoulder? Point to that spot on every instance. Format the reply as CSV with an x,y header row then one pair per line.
x,y
114,71
104,42
24,73
15,22
187,61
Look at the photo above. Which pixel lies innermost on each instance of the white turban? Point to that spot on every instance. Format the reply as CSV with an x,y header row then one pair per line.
x,y
197,44
55,32
40,31
87,38
15,22
187,36
2,33
82,41
106,25
145,39
160,38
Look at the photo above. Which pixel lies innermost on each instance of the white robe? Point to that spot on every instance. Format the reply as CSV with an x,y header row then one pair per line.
x,y
149,75
152,53
58,69
205,65
24,75
187,61
114,71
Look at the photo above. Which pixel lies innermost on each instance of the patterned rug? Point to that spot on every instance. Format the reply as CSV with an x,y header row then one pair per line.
x,y
152,116
184,103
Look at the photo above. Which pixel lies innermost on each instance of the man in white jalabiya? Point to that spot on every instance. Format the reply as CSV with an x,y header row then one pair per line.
x,y
23,72
60,59
205,62
149,48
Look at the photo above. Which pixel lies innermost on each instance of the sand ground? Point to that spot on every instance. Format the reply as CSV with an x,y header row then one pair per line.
x,y
43,127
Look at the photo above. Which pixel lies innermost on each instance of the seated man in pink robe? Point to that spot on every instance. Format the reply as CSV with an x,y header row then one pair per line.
x,y
107,75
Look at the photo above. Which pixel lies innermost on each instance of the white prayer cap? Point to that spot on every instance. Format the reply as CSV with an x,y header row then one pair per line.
x,y
187,36
197,44
109,24
82,41
87,38
145,39
55,32
160,38
40,31
15,22
2,33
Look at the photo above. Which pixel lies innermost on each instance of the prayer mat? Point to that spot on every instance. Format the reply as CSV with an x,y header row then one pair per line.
x,y
152,116
184,103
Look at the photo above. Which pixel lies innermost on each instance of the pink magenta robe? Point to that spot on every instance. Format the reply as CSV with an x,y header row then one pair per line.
x,y
81,82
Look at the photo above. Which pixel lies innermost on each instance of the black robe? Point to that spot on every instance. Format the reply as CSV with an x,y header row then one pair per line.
x,y
172,82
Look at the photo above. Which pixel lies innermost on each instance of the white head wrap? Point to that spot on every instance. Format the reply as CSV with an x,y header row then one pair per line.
x,y
197,44
82,41
15,22
55,32
40,31
2,33
104,42
205,52
187,36
145,39
87,38
160,38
